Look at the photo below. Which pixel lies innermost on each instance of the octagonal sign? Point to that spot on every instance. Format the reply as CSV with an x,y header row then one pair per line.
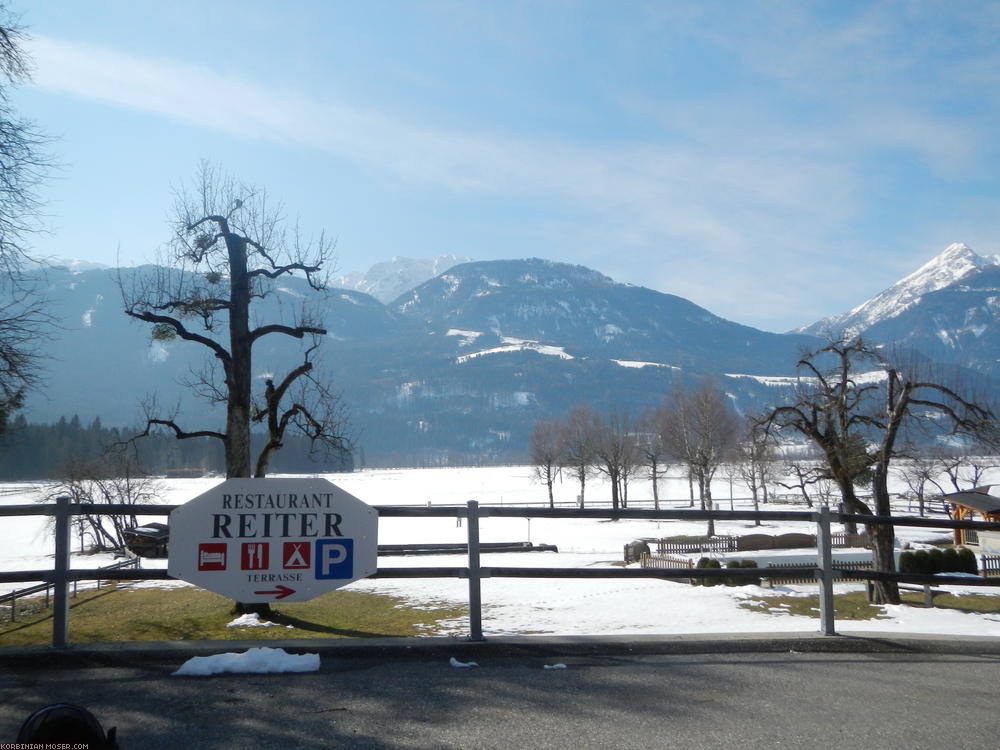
x,y
263,540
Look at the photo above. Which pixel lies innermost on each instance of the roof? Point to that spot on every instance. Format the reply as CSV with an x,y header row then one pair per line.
x,y
978,499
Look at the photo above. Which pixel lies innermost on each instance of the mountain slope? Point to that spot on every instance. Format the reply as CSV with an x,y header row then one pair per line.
x,y
590,315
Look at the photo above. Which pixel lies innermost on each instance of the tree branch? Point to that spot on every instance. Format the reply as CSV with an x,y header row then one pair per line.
x,y
297,332
184,333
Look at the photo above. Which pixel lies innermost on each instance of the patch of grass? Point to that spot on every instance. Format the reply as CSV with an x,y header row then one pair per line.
x,y
852,606
128,614
983,604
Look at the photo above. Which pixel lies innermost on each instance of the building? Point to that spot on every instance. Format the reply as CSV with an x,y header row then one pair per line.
x,y
975,505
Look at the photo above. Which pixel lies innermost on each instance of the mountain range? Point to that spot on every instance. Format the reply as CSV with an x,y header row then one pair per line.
x,y
458,366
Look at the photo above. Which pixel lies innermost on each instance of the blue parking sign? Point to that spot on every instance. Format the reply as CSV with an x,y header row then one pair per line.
x,y
334,558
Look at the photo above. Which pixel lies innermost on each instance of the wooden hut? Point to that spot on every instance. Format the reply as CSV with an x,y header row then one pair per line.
x,y
974,505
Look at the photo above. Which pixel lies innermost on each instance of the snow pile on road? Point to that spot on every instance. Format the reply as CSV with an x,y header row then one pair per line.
x,y
254,661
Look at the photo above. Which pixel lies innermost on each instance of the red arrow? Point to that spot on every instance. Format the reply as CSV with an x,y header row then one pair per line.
x,y
279,593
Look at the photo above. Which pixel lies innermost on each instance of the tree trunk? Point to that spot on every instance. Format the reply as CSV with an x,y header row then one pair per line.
x,y
238,376
883,537
656,491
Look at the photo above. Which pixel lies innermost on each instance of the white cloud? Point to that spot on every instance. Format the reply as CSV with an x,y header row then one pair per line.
x,y
650,193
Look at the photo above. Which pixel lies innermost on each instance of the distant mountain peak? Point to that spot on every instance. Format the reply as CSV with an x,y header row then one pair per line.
x,y
387,280
957,262
73,265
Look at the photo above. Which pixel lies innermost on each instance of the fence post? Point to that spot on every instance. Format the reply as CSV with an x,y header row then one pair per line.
x,y
60,575
475,593
824,565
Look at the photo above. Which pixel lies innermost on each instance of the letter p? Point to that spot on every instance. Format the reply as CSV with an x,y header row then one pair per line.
x,y
334,558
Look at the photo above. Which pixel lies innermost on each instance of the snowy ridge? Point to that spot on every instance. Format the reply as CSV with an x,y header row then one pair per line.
x,y
518,345
389,279
639,365
957,262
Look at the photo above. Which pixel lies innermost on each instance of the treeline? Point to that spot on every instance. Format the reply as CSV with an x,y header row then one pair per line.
x,y
694,427
698,430
50,451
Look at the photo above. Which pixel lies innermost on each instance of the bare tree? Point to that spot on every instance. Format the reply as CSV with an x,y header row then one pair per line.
x,y
115,480
803,476
24,165
546,448
755,461
652,446
965,468
841,406
582,433
703,433
230,246
615,452
918,472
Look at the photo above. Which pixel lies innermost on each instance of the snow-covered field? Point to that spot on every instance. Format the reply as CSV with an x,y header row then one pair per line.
x,y
550,606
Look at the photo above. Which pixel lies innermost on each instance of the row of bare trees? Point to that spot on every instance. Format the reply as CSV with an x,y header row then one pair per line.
x,y
696,427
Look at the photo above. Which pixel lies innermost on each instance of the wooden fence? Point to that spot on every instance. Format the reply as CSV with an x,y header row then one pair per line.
x,y
665,561
866,565
715,544
46,588
989,565
754,542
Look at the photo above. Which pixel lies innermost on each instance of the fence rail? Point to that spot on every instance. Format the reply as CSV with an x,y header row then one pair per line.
x,y
825,571
46,588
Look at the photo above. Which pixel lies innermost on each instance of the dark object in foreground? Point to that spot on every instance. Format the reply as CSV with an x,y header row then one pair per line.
x,y
66,725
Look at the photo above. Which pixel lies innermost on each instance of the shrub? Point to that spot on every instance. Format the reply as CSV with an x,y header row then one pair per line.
x,y
907,562
967,560
936,556
950,561
921,562
707,562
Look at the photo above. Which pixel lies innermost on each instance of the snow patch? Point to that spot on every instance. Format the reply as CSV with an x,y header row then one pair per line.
x,y
254,661
637,364
518,345
251,620
468,337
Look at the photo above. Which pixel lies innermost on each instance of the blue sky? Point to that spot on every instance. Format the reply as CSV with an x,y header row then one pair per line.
x,y
775,162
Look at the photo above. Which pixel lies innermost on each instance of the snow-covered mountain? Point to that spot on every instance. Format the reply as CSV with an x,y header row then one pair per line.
x,y
389,279
948,310
955,265
457,369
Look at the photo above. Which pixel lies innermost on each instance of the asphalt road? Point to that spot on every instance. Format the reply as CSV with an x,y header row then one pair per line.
x,y
616,697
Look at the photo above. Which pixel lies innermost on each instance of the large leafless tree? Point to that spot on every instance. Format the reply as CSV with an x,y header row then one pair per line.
x,y
24,163
229,248
855,405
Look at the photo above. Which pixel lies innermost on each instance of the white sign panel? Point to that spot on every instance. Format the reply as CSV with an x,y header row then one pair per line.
x,y
264,540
